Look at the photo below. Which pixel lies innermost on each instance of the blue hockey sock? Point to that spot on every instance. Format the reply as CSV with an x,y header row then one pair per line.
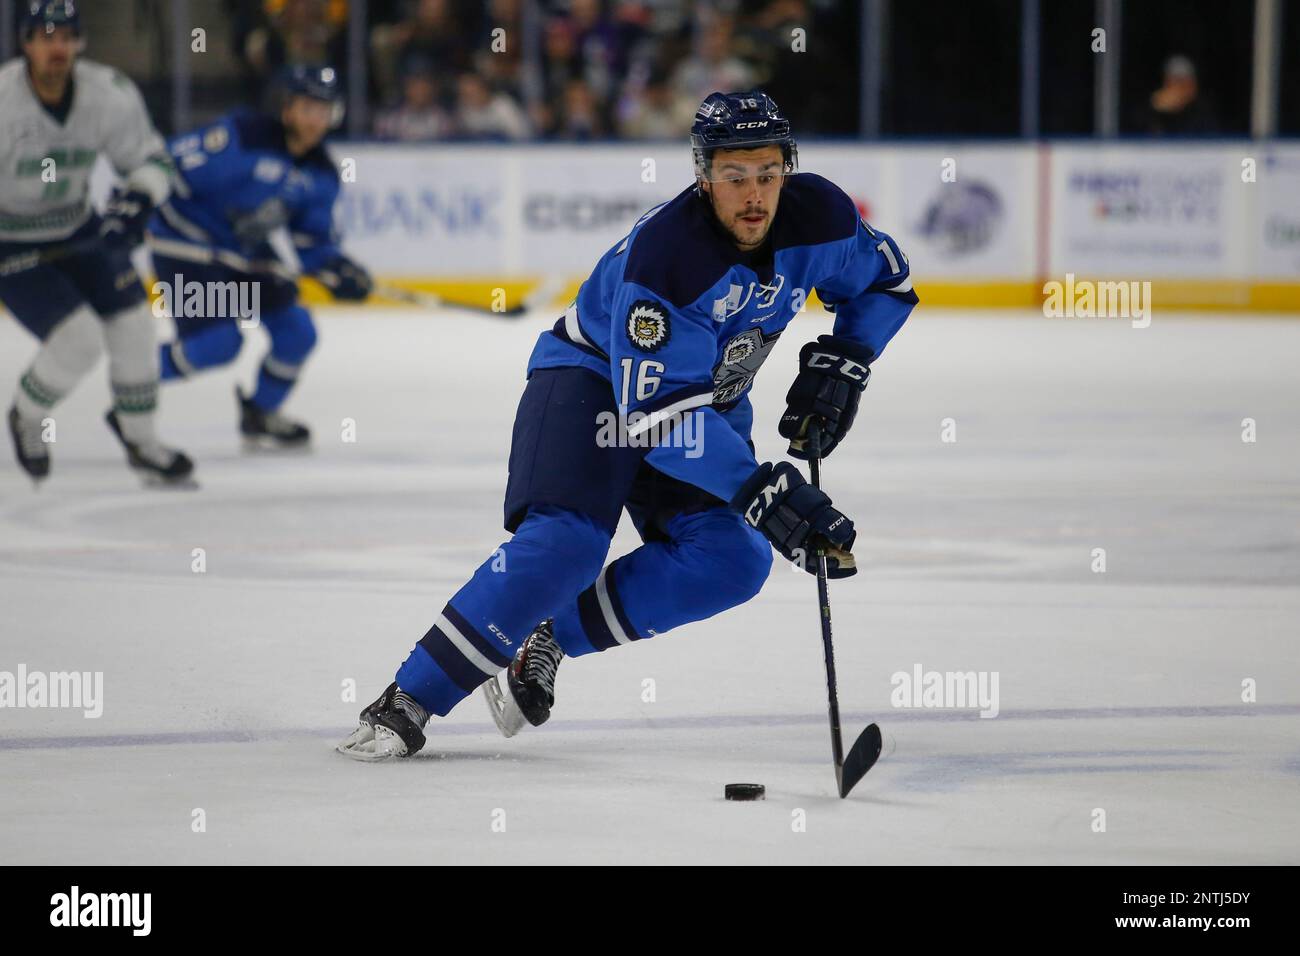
x,y
197,348
274,383
553,555
293,337
714,561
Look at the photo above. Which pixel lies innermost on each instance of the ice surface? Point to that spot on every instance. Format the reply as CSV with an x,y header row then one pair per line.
x,y
1120,691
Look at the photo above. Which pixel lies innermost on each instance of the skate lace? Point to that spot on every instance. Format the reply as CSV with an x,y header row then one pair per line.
x,y
542,659
411,707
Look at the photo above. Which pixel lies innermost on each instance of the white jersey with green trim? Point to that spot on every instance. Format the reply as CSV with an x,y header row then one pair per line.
x,y
45,165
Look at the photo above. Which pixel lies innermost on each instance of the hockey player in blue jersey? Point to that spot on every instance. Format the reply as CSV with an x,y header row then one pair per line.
x,y
664,339
242,179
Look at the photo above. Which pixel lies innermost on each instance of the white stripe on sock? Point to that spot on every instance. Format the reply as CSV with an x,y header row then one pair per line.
x,y
607,609
465,647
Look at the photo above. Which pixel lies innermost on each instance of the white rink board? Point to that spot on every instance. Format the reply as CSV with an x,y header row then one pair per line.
x,y
426,212
1276,217
1150,212
978,226
1144,211
1114,210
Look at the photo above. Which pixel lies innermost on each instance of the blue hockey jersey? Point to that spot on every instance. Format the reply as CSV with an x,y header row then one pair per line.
x,y
680,320
238,183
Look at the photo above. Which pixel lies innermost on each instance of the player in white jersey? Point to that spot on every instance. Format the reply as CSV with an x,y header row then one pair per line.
x,y
65,272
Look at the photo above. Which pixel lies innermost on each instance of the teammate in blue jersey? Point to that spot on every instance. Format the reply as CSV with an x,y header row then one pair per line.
x,y
242,179
637,400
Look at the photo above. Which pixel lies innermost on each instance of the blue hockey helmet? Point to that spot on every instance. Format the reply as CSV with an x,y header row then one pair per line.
x,y
47,15
316,82
740,121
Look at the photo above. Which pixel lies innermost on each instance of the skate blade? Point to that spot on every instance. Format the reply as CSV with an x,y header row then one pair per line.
x,y
269,447
37,479
501,705
155,483
372,745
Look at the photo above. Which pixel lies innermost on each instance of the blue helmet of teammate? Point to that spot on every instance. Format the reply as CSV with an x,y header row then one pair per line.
x,y
316,82
740,121
47,15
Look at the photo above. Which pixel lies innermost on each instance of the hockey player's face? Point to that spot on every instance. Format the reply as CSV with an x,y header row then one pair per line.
x,y
51,54
744,189
307,120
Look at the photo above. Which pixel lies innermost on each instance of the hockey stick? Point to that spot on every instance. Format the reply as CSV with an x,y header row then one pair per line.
x,y
540,296
431,301
866,749
33,258
428,300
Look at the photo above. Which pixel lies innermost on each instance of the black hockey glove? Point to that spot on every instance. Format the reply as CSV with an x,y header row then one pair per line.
x,y
125,217
832,374
345,279
797,518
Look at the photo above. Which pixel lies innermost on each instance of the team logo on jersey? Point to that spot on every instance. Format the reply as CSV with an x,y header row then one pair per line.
x,y
738,349
647,325
268,170
739,297
215,139
741,358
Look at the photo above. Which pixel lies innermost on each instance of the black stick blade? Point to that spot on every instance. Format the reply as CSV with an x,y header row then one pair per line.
x,y
862,757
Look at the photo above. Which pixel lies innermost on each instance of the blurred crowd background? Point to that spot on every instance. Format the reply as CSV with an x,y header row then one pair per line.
x,y
590,70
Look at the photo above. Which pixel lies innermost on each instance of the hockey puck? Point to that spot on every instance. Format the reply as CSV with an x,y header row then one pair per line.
x,y
745,791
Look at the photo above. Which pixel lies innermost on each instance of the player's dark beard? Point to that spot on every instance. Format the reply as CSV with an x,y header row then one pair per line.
x,y
51,82
733,230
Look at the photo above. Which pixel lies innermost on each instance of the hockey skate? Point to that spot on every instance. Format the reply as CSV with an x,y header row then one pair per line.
x,y
32,452
158,466
530,684
391,727
263,430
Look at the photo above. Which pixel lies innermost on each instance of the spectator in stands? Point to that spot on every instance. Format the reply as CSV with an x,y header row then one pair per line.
x,y
419,117
600,44
297,31
786,73
560,64
499,59
1177,108
581,118
649,112
483,114
713,67
431,33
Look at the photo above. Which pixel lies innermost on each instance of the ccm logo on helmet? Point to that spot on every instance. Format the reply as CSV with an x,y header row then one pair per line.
x,y
849,368
757,124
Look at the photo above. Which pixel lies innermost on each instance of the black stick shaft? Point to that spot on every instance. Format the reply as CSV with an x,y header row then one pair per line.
x,y
823,598
25,261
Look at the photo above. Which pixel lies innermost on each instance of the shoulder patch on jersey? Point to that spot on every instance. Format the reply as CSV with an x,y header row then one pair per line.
x,y
647,325
216,139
